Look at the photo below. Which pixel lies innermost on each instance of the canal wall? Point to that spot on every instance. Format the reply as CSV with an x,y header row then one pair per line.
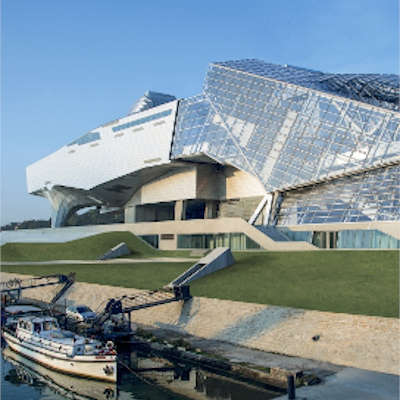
x,y
359,341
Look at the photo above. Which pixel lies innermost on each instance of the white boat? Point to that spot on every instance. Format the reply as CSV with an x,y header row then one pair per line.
x,y
41,340
68,386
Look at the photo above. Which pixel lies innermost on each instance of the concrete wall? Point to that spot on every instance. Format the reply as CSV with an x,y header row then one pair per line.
x,y
242,208
176,185
238,192
354,340
390,227
241,184
207,182
216,182
211,182
198,226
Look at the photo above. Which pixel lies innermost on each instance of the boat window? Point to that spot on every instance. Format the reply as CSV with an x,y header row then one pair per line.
x,y
82,309
49,325
37,327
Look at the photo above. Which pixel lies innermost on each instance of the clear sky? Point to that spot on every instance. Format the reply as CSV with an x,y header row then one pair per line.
x,y
68,66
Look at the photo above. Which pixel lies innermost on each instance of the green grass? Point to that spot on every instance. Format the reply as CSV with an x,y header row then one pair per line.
x,y
90,248
174,253
355,282
135,275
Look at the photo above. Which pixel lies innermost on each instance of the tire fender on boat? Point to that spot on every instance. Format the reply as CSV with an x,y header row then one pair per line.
x,y
108,369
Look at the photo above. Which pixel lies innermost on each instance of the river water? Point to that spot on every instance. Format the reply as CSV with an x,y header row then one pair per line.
x,y
143,377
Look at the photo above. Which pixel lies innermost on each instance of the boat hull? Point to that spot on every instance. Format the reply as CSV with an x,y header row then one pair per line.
x,y
69,386
101,367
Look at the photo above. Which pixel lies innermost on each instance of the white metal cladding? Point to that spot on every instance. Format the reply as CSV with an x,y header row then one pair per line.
x,y
105,153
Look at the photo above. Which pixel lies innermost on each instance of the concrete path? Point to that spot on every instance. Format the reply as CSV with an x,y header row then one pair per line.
x,y
240,354
338,382
113,261
352,384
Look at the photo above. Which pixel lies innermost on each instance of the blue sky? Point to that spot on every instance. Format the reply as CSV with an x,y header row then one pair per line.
x,y
68,66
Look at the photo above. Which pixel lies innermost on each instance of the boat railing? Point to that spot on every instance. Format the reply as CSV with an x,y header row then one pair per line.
x,y
68,349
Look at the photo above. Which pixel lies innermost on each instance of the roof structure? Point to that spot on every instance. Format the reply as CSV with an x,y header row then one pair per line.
x,y
381,90
149,100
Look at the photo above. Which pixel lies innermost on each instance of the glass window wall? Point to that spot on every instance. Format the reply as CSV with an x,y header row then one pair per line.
x,y
236,241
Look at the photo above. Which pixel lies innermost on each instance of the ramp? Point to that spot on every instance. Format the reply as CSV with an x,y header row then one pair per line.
x,y
119,250
219,258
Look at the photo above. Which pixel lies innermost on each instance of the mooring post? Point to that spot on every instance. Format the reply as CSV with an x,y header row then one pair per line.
x,y
291,387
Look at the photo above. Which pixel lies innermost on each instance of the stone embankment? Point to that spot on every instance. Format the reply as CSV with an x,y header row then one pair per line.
x,y
359,341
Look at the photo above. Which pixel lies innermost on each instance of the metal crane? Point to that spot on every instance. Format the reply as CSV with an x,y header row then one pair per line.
x,y
14,287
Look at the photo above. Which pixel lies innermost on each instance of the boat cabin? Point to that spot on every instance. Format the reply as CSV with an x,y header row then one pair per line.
x,y
15,312
38,325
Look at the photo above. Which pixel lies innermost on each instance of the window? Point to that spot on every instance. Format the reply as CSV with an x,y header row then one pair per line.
x,y
142,120
89,137
49,325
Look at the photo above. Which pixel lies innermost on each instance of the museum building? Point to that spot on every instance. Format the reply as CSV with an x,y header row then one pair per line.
x,y
267,156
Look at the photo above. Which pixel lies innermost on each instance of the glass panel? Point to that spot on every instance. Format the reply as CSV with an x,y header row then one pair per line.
x,y
282,134
236,241
89,137
371,196
141,121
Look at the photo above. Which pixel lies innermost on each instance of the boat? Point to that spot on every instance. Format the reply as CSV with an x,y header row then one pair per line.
x,y
68,386
11,314
40,339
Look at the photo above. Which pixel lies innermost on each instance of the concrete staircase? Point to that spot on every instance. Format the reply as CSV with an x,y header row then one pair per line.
x,y
217,259
273,233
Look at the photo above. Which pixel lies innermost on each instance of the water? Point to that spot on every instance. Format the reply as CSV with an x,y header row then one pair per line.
x,y
149,378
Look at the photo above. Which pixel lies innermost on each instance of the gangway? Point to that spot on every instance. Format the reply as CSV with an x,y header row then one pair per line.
x,y
218,258
14,287
146,299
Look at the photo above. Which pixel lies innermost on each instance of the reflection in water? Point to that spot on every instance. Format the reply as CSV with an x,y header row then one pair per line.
x,y
33,374
143,377
195,383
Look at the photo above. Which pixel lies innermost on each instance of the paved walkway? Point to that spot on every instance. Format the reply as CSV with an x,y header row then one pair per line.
x,y
113,261
241,354
352,384
338,382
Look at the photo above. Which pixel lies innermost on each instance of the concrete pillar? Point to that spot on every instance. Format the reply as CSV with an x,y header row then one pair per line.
x,y
277,198
63,203
180,210
211,209
130,214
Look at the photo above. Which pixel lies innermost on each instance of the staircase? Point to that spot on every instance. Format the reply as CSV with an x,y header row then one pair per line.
x,y
273,233
217,259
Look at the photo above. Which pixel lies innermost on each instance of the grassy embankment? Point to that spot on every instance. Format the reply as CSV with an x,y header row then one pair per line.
x,y
90,248
357,282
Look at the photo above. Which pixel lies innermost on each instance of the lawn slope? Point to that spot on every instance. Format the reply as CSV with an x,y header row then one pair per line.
x,y
138,275
355,282
89,248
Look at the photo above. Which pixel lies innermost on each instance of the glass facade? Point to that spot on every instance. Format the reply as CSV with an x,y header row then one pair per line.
x,y
376,89
344,239
236,241
152,240
288,126
366,239
371,196
355,239
89,137
141,121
